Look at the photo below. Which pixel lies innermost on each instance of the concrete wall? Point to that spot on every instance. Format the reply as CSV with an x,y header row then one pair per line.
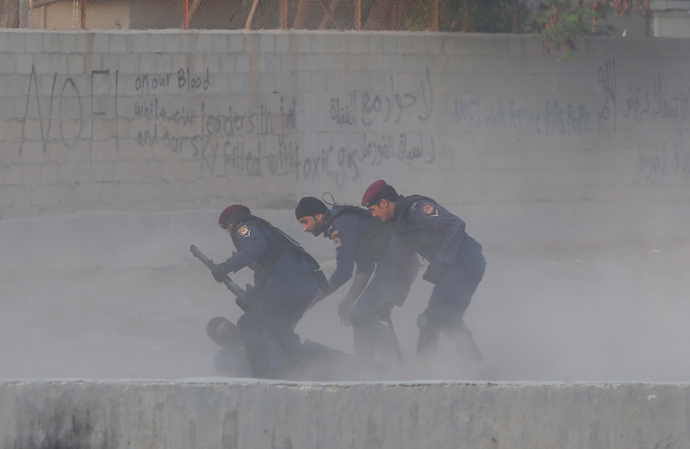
x,y
173,120
109,415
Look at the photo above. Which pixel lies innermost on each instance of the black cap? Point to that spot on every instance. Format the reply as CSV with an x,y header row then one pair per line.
x,y
309,206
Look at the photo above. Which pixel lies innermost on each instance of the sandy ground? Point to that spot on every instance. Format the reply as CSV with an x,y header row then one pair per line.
x,y
137,307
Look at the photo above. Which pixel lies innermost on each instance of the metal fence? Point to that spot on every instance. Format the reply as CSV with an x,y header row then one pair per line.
x,y
669,18
417,15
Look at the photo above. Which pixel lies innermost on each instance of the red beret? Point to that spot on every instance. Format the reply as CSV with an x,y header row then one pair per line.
x,y
225,216
373,193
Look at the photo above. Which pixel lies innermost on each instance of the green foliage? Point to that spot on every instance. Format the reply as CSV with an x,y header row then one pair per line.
x,y
560,24
481,16
421,20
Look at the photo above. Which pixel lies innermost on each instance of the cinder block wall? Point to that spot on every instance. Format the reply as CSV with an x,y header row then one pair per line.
x,y
177,120
247,414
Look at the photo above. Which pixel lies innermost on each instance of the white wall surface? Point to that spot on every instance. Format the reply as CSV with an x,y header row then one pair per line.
x,y
486,124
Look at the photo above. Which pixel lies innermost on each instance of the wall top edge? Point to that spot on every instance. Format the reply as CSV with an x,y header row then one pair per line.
x,y
241,382
349,34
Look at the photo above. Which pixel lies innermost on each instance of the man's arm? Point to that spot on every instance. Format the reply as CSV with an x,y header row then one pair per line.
x,y
344,236
359,282
322,295
355,289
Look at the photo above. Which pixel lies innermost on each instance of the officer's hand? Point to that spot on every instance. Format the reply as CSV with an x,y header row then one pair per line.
x,y
219,270
344,309
435,272
385,310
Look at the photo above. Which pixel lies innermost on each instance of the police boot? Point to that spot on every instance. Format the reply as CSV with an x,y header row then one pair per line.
x,y
296,361
428,336
465,344
371,337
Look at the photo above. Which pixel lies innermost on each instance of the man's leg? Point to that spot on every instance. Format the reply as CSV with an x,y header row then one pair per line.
x,y
254,335
284,310
369,333
449,300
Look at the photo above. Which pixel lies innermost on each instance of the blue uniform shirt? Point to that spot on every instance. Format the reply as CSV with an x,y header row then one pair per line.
x,y
427,214
254,240
344,232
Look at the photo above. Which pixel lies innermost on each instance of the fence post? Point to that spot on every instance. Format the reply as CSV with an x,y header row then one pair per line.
x,y
24,13
516,17
83,13
358,15
186,14
248,23
283,6
435,18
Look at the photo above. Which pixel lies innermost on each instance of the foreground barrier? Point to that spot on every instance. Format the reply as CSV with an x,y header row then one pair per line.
x,y
209,413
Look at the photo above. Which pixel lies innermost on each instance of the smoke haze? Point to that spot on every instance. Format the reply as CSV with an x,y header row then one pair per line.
x,y
120,296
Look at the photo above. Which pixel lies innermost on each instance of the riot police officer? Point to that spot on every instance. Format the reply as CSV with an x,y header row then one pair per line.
x,y
364,242
456,263
286,279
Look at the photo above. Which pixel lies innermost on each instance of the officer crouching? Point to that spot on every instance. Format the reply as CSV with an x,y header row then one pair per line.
x,y
456,264
384,271
286,279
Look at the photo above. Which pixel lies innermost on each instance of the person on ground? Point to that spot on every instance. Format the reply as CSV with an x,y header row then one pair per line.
x,y
231,360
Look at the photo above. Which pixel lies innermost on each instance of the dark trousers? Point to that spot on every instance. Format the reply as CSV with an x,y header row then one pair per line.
x,y
272,317
385,289
449,300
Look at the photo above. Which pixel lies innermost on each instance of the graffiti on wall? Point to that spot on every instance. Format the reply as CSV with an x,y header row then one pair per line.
x,y
652,103
366,130
223,140
71,112
668,160
639,103
375,129
476,114
669,156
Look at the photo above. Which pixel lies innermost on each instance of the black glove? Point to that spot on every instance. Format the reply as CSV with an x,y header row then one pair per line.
x,y
435,272
219,270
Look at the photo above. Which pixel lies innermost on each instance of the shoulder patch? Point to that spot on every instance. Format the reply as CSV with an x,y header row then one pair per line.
x,y
336,241
429,210
244,231
336,238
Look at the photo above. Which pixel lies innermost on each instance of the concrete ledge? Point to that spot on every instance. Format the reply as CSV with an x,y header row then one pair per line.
x,y
211,413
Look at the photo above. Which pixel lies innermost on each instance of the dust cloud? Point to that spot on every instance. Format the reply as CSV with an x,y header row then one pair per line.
x,y
120,296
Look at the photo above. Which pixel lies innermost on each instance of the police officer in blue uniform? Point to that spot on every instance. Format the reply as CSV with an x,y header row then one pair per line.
x,y
364,242
456,264
286,279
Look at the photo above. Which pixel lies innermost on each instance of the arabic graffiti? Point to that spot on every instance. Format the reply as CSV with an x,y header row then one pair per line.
x,y
668,160
371,135
606,75
369,109
345,164
555,116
